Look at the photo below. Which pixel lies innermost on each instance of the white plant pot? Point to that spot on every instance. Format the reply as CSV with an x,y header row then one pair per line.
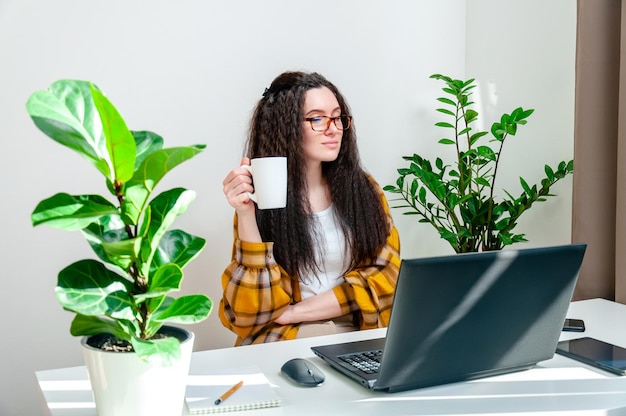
x,y
123,385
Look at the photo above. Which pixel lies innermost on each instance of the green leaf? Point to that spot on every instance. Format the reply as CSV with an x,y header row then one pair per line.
x,y
161,213
163,352
486,152
122,253
474,137
525,186
522,114
400,183
69,212
470,116
109,228
511,129
498,131
414,188
119,140
186,310
392,189
446,111
422,195
154,167
83,325
444,124
482,181
146,143
178,247
89,288
165,279
468,84
449,236
441,77
66,113
502,224
447,101
447,141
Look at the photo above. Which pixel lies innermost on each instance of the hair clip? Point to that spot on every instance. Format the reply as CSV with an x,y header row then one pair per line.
x,y
269,95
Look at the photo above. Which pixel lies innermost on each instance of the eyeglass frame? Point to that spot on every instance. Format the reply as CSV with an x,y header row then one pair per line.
x,y
329,120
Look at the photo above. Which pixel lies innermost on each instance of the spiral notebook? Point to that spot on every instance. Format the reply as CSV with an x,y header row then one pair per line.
x,y
255,393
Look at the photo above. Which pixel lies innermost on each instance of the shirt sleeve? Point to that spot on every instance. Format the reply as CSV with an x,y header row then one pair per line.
x,y
256,292
368,290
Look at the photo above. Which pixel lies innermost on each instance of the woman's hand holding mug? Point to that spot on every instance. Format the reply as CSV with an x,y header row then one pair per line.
x,y
269,178
262,180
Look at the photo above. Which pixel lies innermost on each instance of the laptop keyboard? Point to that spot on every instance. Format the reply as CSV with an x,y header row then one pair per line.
x,y
368,361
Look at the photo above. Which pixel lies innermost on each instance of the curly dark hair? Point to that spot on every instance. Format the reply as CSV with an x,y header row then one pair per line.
x,y
276,129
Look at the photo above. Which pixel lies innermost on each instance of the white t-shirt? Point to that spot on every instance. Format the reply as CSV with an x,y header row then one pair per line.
x,y
331,249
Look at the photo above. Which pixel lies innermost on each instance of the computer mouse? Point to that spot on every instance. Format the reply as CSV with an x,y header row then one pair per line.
x,y
303,372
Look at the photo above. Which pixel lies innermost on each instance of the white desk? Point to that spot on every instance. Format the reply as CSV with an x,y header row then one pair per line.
x,y
559,386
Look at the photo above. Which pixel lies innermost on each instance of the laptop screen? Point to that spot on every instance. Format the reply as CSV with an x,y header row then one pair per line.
x,y
469,315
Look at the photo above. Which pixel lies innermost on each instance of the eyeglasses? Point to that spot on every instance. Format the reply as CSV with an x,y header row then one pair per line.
x,y
322,123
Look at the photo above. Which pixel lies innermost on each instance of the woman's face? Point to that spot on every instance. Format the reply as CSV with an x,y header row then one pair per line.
x,y
321,146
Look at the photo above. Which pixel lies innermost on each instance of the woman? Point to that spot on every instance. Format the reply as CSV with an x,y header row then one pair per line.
x,y
329,261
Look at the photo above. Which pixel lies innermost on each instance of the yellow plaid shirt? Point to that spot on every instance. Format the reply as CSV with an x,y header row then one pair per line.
x,y
257,290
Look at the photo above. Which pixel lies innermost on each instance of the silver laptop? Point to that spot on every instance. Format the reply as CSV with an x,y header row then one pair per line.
x,y
466,316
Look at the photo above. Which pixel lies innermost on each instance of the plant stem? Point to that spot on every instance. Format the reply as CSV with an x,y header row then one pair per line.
x,y
488,230
138,280
459,108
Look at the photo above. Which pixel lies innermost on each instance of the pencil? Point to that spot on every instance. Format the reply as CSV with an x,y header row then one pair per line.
x,y
229,392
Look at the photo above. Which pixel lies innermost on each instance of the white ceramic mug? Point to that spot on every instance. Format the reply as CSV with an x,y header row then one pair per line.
x,y
269,177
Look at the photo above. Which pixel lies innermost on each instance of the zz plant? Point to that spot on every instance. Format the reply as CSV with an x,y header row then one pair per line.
x,y
459,200
127,292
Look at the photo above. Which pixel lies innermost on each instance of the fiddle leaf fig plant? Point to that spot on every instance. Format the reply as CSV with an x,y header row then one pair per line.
x,y
459,200
127,292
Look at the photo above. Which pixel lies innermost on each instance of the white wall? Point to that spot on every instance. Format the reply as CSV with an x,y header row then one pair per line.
x,y
192,71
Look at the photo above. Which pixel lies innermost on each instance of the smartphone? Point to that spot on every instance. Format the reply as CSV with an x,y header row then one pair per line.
x,y
574,325
594,352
